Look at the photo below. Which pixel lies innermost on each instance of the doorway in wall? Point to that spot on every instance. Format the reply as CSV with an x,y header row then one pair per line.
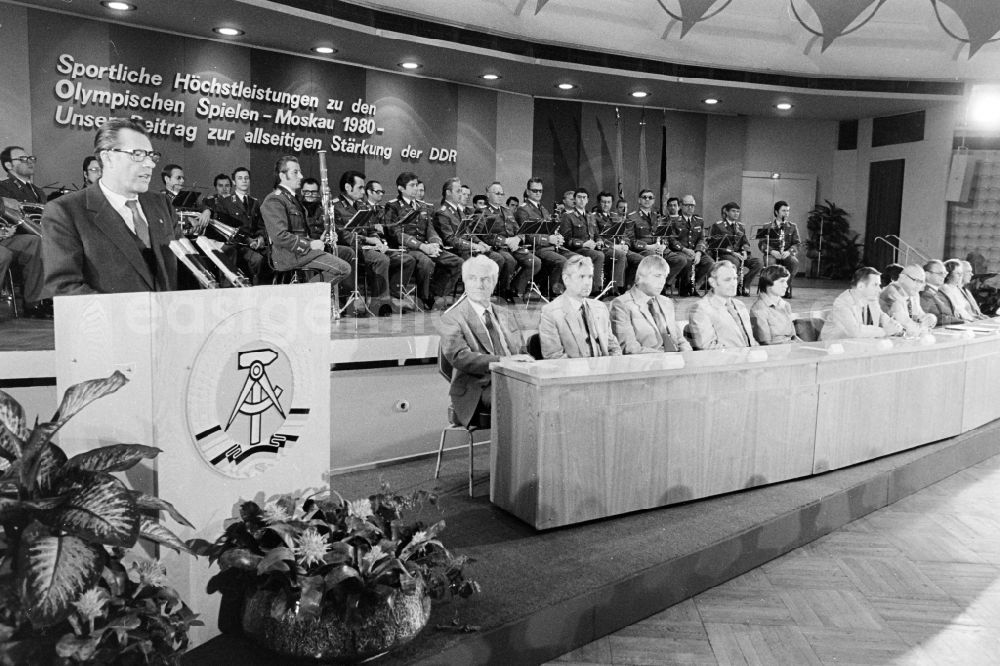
x,y
885,205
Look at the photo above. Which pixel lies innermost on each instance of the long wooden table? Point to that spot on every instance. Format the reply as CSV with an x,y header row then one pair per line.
x,y
580,439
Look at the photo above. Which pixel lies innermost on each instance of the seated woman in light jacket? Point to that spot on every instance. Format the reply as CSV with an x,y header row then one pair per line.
x,y
771,315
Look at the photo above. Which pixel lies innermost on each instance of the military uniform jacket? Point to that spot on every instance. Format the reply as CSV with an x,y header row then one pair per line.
x,y
288,228
639,229
529,212
12,188
577,228
246,215
688,234
415,232
729,236
447,223
501,223
343,210
776,240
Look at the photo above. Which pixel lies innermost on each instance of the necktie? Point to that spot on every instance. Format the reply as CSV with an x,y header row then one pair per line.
x,y
595,347
731,307
867,315
141,228
496,339
661,325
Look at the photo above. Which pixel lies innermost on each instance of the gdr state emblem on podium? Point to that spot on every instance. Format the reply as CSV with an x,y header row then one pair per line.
x,y
245,406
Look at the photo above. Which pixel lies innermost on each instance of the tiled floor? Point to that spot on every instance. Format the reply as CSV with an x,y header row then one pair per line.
x,y
917,582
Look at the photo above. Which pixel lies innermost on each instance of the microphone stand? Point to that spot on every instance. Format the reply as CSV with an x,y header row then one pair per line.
x,y
614,256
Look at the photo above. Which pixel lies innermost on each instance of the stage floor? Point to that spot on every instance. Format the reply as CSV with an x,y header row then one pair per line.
x,y
353,337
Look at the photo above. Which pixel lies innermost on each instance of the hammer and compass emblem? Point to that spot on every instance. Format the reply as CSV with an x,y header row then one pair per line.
x,y
257,395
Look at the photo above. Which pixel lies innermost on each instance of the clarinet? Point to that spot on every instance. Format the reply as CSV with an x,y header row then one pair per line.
x,y
691,274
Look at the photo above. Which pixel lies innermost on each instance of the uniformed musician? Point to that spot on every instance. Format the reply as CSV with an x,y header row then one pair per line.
x,y
687,235
728,240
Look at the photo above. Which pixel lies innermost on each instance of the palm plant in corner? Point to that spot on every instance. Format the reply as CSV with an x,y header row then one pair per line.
x,y
70,590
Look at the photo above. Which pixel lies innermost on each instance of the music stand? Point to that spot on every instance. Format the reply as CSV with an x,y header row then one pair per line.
x,y
360,219
405,292
614,230
186,199
536,228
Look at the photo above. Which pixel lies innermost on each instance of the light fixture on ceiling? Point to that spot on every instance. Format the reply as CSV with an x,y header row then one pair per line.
x,y
565,86
775,176
640,94
228,32
710,101
409,64
783,106
324,50
490,77
119,6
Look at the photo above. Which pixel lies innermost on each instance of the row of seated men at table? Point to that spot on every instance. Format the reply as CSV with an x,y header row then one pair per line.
x,y
475,333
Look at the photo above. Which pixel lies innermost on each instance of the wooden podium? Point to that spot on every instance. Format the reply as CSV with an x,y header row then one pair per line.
x,y
233,385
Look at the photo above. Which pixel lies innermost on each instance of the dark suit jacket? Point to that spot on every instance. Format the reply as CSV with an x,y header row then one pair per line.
x,y
934,302
87,247
465,344
28,192
285,221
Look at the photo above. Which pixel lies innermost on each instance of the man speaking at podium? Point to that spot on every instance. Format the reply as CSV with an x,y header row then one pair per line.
x,y
114,237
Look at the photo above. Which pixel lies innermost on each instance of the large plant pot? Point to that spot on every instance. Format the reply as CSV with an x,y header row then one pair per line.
x,y
330,638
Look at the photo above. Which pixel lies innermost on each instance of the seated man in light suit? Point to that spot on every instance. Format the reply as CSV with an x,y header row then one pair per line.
x,y
642,319
856,314
574,326
900,300
931,298
952,290
475,333
718,320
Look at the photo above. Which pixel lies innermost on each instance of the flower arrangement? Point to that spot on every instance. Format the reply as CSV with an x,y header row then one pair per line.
x,y
318,552
67,586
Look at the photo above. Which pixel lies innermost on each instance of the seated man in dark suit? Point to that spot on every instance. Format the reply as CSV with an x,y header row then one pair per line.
x,y
20,168
475,333
113,237
932,300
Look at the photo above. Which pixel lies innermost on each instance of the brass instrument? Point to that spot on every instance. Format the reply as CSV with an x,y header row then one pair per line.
x,y
329,235
16,215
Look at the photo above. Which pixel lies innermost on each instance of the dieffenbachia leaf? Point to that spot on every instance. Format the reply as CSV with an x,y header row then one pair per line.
x,y
99,508
10,444
152,530
12,416
80,395
115,458
56,570
151,503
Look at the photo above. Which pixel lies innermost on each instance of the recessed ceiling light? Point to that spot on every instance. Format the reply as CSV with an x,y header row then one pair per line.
x,y
491,77
710,100
784,106
640,94
565,86
228,32
409,64
119,6
325,50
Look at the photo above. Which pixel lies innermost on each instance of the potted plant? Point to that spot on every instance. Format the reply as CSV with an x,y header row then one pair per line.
x,y
832,242
333,579
70,592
